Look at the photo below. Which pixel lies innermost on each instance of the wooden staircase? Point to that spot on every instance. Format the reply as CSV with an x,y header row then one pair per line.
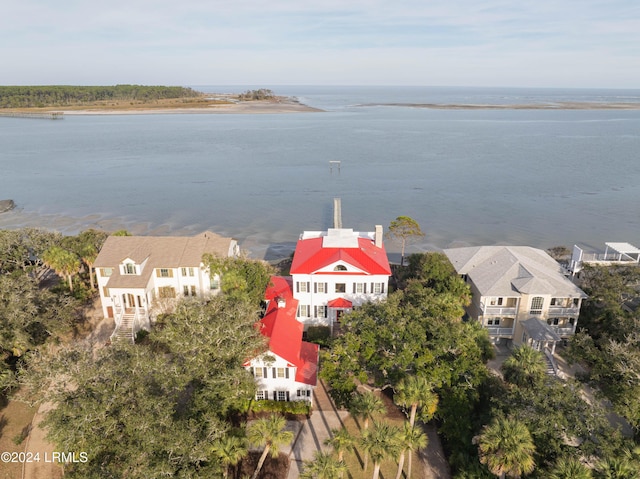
x,y
124,331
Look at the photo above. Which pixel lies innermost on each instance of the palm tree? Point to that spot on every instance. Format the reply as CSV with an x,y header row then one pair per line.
x,y
381,442
63,262
506,447
89,254
367,406
411,439
341,441
525,366
268,432
616,468
570,468
416,392
323,466
229,450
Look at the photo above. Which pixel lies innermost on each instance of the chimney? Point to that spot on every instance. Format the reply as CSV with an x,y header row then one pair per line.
x,y
281,302
378,236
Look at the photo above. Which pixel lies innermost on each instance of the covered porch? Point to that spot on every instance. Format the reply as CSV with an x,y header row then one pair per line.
x,y
541,337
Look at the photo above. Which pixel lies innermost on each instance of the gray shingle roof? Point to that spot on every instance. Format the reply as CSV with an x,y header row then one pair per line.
x,y
511,270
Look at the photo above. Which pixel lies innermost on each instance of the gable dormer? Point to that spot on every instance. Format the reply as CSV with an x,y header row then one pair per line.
x,y
129,267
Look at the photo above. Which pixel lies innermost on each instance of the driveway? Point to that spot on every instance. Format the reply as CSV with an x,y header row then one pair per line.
x,y
311,434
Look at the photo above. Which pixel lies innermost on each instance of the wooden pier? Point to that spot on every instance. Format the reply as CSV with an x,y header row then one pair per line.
x,y
337,213
46,115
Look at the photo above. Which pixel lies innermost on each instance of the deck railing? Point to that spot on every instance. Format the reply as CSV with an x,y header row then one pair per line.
x,y
500,332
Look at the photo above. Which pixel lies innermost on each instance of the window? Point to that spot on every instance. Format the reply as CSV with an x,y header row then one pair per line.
x,y
536,305
493,322
106,272
359,287
320,287
280,372
185,290
303,310
282,395
166,292
377,288
258,372
193,290
341,288
340,267
572,321
129,268
302,287
214,283
320,311
164,273
261,395
496,302
185,270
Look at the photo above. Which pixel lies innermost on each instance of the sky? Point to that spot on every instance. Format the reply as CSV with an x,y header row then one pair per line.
x,y
517,43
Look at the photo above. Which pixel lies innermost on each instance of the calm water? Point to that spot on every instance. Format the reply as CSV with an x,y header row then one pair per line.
x,y
534,177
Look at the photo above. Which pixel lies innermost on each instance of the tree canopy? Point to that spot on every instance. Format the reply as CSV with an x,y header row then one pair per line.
x,y
153,409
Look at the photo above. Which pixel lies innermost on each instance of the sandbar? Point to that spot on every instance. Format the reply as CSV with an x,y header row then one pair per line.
x,y
565,105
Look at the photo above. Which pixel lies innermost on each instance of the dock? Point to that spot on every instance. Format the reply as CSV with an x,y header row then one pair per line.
x,y
47,115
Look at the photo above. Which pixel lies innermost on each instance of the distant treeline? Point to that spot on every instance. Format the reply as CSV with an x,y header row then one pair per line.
x,y
66,95
261,94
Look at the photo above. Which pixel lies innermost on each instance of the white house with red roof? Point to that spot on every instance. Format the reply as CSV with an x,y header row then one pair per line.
x,y
335,270
288,371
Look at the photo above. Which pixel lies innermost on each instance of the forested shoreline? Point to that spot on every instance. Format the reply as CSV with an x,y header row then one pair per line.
x,y
69,95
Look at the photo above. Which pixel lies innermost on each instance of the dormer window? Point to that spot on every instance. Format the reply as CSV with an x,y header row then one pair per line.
x,y
129,268
340,267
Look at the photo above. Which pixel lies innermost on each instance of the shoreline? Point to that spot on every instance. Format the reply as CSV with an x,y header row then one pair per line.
x,y
278,106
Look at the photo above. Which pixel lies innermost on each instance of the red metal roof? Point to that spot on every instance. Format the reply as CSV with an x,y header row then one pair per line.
x,y
340,303
284,331
310,256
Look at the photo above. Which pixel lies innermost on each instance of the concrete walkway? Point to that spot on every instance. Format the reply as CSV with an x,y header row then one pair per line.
x,y
311,434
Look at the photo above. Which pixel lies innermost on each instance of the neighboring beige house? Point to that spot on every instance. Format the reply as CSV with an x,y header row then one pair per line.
x,y
519,294
138,275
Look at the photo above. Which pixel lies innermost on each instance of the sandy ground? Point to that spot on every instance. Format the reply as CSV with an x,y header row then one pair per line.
x,y
247,107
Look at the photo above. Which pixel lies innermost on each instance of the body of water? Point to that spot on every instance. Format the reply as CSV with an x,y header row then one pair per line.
x,y
469,177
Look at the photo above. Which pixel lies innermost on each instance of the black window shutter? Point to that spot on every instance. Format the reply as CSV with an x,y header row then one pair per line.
x,y
275,395
315,287
354,288
308,287
286,373
287,395
297,287
264,373
274,372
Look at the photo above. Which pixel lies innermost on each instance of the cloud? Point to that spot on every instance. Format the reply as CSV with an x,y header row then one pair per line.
x,y
252,36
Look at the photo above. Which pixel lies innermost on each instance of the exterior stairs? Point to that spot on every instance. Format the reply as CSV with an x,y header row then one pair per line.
x,y
550,369
124,331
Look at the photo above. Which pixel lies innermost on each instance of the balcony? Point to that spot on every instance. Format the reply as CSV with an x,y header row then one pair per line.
x,y
498,310
499,332
561,311
563,330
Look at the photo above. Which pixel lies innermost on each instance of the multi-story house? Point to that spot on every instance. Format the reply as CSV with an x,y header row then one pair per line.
x,y
519,293
288,370
335,270
137,275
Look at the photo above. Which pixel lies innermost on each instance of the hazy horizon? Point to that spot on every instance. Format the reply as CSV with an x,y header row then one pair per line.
x,y
542,44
